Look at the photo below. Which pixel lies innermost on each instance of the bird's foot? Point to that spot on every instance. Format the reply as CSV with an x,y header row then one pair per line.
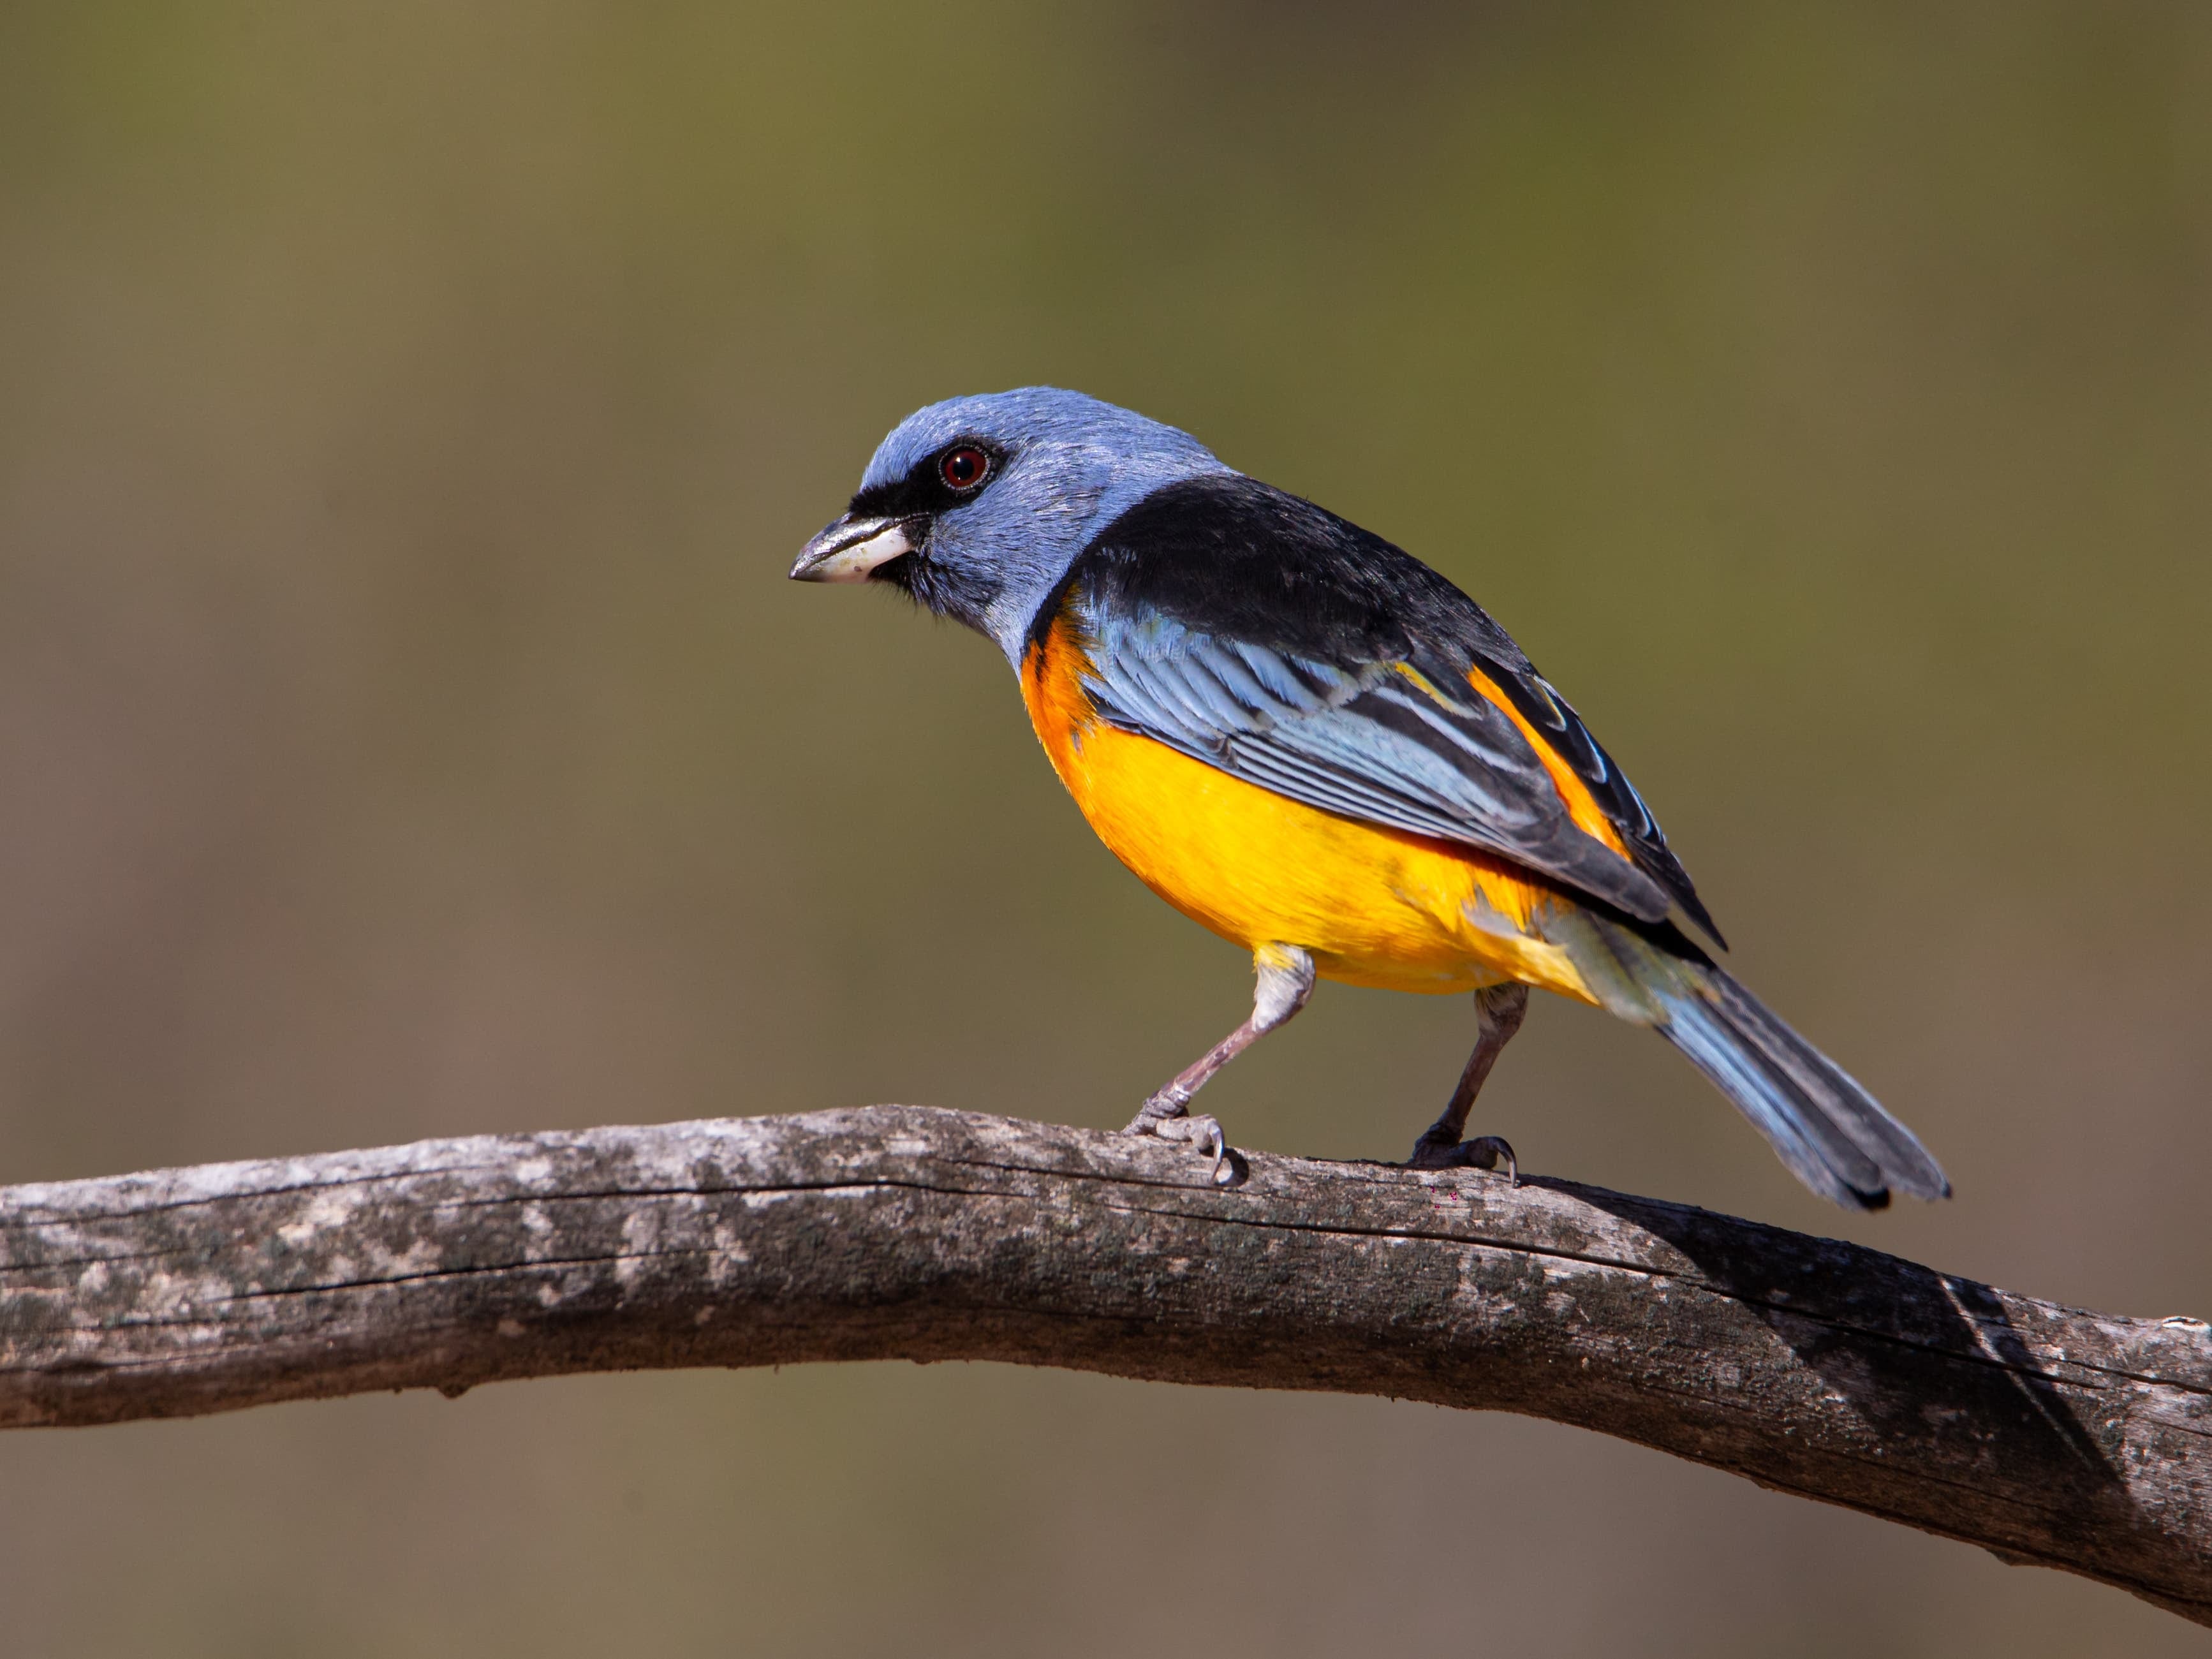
x,y
1170,1118
1433,1152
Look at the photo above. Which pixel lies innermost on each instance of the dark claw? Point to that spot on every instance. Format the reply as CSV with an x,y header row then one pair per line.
x,y
1204,1133
1166,1118
1482,1152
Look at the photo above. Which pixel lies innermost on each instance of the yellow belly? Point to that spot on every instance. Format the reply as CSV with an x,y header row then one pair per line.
x,y
1371,906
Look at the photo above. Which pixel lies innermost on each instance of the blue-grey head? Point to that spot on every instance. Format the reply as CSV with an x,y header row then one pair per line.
x,y
978,506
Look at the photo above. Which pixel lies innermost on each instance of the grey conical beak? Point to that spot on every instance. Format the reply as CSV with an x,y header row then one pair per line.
x,y
852,549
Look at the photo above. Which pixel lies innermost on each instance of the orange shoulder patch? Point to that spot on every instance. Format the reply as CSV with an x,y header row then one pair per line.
x,y
1052,689
1582,806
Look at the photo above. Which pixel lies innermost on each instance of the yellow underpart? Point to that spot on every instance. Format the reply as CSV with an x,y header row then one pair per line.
x,y
1371,906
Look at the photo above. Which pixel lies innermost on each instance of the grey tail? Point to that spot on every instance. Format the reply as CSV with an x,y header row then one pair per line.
x,y
1834,1136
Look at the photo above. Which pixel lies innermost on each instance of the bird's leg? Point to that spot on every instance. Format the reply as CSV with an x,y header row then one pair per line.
x,y
1499,1009
1286,980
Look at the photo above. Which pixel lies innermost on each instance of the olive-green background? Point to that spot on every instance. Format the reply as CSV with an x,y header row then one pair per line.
x,y
408,412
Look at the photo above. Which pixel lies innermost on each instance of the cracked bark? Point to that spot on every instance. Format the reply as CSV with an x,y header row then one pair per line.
x,y
2048,1435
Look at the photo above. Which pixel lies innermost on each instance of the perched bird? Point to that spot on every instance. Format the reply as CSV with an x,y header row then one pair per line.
x,y
1314,745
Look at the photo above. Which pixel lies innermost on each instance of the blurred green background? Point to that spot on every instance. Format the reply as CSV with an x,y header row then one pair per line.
x,y
408,412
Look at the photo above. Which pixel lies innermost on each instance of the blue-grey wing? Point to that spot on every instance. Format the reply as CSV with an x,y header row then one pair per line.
x,y
1262,634
1395,742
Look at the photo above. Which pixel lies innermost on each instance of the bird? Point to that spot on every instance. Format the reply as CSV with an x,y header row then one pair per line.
x,y
1316,746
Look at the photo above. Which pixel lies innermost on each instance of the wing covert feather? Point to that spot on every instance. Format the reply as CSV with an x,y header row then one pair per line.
x,y
1258,633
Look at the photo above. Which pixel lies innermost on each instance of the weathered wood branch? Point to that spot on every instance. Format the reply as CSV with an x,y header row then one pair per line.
x,y
2070,1439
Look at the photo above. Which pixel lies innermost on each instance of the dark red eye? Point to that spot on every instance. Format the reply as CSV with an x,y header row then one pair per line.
x,y
964,468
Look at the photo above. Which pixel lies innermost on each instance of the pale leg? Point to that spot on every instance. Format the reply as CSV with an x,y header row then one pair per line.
x,y
1286,980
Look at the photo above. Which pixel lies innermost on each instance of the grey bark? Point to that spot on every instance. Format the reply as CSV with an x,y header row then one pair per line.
x,y
2048,1435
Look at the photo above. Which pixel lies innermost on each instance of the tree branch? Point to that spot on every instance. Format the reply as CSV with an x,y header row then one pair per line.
x,y
2051,1435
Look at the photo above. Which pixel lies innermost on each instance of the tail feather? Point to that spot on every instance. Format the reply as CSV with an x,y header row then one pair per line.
x,y
1905,1163
1833,1135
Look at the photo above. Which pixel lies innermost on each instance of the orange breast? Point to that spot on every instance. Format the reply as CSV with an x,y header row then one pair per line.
x,y
1372,906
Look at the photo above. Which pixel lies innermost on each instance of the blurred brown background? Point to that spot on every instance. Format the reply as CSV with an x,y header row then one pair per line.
x,y
407,413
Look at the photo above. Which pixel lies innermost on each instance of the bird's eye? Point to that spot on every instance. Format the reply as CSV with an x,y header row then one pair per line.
x,y
964,468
